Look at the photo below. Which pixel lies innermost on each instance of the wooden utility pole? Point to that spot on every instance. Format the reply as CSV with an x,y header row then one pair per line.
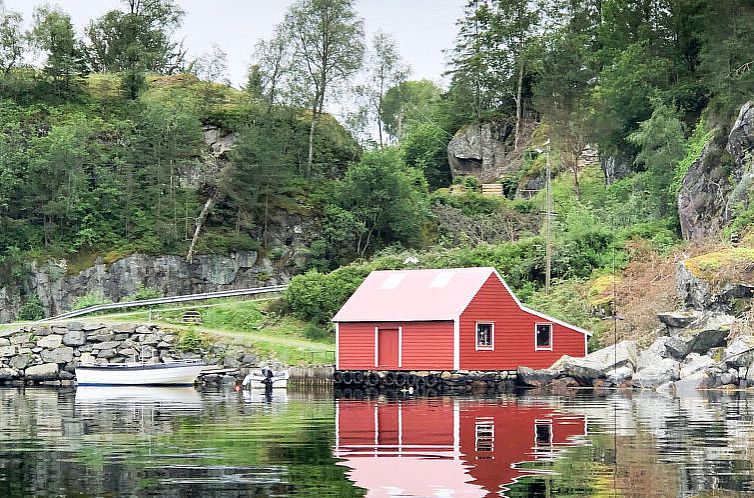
x,y
548,222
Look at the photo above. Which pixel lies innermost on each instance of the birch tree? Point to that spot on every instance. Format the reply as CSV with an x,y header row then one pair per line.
x,y
328,47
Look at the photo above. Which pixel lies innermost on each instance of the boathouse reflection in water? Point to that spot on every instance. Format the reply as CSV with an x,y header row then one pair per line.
x,y
447,447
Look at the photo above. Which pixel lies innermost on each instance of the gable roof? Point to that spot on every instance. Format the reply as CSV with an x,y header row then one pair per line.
x,y
423,295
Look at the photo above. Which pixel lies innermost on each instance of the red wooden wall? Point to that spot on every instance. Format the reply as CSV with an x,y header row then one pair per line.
x,y
426,345
513,335
429,345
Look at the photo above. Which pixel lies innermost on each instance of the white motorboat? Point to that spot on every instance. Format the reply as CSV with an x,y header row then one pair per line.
x,y
261,378
178,373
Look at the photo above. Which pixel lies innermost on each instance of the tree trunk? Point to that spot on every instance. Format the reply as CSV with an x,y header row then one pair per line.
x,y
519,104
310,156
199,223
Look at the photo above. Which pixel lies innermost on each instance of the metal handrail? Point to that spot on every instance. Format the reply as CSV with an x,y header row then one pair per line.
x,y
167,300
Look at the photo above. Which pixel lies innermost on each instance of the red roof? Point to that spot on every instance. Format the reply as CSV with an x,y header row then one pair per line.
x,y
421,295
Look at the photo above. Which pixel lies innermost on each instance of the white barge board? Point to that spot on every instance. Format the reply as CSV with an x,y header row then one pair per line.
x,y
130,374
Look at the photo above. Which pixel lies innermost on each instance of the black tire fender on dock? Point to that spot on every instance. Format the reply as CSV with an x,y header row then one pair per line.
x,y
389,379
337,377
401,379
346,377
431,380
358,377
372,379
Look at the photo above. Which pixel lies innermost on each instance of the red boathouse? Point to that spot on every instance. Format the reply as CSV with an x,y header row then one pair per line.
x,y
451,319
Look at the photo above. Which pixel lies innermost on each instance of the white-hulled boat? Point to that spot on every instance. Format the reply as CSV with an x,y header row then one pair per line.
x,y
261,378
178,373
177,396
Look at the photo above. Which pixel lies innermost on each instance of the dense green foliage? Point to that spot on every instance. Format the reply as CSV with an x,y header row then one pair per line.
x,y
106,143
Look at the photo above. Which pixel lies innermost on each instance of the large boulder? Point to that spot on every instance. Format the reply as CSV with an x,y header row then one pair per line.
x,y
679,319
718,376
709,331
693,279
740,352
7,373
653,354
583,370
695,363
46,371
618,355
481,150
74,338
62,354
50,341
665,370
535,378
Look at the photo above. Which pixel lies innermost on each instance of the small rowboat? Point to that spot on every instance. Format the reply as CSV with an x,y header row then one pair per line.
x,y
179,373
262,378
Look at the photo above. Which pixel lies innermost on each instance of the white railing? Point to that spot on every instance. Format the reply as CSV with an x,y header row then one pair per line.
x,y
272,289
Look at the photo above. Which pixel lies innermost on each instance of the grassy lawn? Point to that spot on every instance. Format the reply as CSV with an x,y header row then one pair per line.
x,y
245,322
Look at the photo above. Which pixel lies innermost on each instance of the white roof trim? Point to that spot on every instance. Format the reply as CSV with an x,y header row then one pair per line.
x,y
537,313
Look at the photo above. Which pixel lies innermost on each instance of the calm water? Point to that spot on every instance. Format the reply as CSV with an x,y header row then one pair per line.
x,y
182,442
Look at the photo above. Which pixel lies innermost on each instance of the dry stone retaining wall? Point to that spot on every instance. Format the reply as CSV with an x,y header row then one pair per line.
x,y
49,353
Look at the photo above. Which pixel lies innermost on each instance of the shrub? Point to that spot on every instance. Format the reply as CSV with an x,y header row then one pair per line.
x,y
315,332
89,300
143,293
191,341
31,310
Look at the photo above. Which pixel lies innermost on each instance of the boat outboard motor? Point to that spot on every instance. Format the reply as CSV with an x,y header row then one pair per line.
x,y
267,381
267,372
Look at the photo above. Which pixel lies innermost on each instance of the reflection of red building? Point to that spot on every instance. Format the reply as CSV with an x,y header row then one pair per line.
x,y
446,447
453,319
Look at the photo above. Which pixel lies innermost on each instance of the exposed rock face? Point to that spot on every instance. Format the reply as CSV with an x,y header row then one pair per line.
x,y
615,167
703,193
218,140
698,294
480,151
171,275
710,190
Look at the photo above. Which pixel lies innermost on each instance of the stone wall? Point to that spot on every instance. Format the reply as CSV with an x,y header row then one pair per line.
x,y
49,353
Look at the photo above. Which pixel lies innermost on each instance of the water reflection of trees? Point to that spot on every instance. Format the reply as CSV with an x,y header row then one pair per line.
x,y
50,446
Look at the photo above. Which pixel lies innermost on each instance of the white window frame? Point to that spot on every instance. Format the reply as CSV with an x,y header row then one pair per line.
x,y
484,435
478,347
552,337
543,423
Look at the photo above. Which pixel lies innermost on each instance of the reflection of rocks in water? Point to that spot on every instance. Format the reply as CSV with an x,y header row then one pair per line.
x,y
705,439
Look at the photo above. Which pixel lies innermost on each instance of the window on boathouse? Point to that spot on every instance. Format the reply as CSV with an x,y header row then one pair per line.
x,y
543,333
485,339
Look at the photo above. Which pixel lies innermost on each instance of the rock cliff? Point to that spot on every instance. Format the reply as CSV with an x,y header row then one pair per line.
x,y
481,151
713,187
170,275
